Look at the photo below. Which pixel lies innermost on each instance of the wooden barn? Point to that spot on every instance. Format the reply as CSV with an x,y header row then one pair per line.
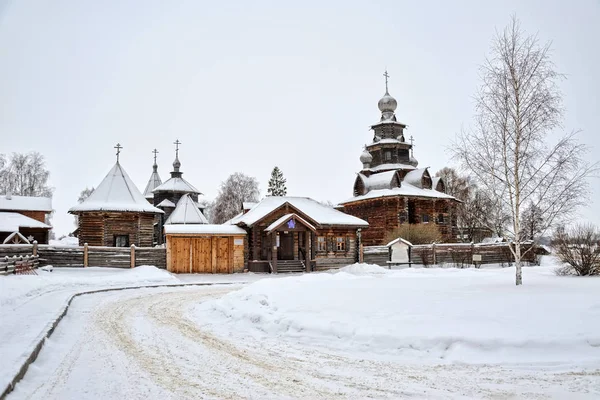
x,y
116,214
205,248
390,190
296,234
24,219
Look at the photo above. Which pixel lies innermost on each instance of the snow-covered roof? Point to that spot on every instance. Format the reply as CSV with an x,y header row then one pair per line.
x,y
386,141
406,189
25,203
116,192
166,203
390,166
12,221
415,177
393,242
152,184
286,218
176,184
204,229
382,180
246,205
186,212
319,213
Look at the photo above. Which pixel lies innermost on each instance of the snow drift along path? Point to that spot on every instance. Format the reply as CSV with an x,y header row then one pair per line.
x,y
428,315
150,344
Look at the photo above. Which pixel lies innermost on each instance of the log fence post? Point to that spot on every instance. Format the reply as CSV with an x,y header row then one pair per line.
x,y
133,256
34,250
434,254
86,259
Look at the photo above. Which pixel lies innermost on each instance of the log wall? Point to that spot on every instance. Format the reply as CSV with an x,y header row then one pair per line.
x,y
384,214
100,228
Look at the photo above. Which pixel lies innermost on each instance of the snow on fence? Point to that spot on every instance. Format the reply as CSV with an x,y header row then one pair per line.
x,y
89,256
456,254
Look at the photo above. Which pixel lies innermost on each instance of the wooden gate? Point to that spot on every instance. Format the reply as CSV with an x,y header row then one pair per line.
x,y
205,254
201,255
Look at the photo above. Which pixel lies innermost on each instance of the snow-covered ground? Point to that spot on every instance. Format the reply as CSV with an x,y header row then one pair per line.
x,y
29,304
360,332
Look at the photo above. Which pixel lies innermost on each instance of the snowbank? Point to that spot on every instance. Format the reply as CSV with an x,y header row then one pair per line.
x,y
364,269
421,315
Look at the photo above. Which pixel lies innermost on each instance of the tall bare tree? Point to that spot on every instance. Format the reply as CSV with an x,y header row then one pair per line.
x,y
237,189
508,150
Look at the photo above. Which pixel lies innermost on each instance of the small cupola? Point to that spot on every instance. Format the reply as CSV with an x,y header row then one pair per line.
x,y
366,158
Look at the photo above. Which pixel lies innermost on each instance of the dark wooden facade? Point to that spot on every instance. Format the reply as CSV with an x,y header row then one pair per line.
x,y
314,245
384,214
100,228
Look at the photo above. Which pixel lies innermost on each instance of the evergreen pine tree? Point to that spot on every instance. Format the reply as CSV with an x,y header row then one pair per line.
x,y
276,183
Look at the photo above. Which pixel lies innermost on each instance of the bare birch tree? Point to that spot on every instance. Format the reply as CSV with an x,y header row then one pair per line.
x,y
237,189
25,175
508,151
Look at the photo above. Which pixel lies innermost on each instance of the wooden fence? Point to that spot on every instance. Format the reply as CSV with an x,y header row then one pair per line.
x,y
459,255
89,256
8,265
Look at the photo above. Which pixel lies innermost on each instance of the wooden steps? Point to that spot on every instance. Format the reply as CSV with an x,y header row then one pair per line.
x,y
290,266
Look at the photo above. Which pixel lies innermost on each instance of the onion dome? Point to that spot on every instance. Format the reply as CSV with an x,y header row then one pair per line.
x,y
366,157
387,103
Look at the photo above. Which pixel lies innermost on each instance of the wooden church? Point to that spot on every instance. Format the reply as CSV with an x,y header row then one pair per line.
x,y
390,190
166,195
116,214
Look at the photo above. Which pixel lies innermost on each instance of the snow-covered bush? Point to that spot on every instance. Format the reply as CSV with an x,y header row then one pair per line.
x,y
579,248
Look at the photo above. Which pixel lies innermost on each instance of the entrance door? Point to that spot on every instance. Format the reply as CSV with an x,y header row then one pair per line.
x,y
222,255
286,246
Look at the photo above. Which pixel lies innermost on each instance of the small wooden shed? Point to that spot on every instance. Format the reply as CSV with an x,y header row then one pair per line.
x,y
205,248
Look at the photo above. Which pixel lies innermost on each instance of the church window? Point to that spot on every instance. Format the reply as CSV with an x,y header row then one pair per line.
x,y
387,156
121,240
425,218
340,243
321,244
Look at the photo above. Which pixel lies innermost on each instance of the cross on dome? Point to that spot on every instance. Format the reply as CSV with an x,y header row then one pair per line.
x,y
386,79
118,147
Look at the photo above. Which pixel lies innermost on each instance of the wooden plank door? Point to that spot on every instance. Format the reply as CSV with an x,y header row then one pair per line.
x,y
201,255
223,252
180,254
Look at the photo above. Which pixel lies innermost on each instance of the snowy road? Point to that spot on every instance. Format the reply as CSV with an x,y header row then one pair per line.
x,y
143,344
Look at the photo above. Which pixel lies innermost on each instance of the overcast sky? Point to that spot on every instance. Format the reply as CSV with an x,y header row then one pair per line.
x,y
246,85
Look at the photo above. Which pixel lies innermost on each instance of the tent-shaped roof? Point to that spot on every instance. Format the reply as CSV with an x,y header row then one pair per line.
x,y
186,212
317,212
176,184
166,203
152,184
25,203
116,192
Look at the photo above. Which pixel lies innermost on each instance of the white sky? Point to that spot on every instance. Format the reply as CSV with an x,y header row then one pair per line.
x,y
249,85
